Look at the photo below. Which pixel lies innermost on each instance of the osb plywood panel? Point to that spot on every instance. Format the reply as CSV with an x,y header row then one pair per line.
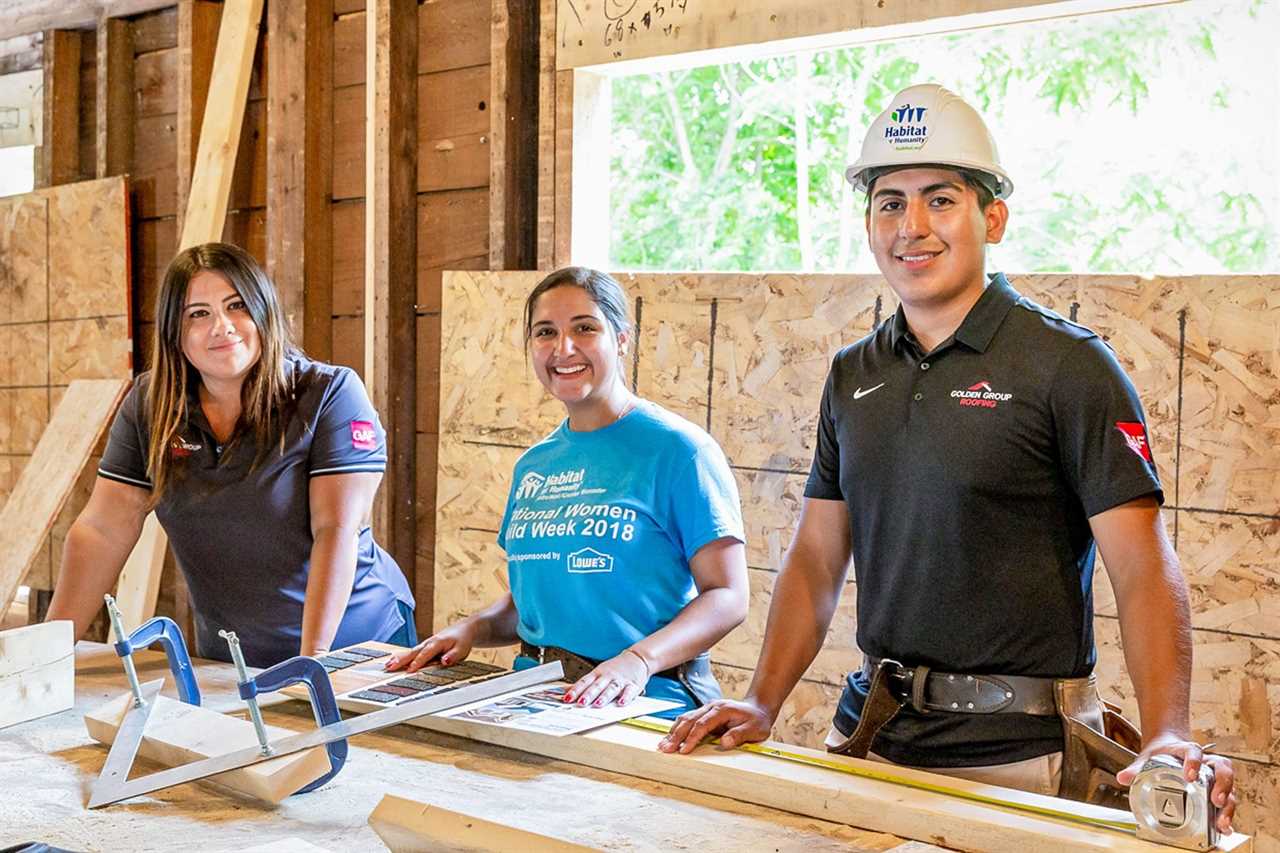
x,y
774,345
24,226
1231,394
1203,353
64,315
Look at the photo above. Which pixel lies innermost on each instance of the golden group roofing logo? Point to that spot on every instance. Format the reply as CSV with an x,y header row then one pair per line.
x,y
981,395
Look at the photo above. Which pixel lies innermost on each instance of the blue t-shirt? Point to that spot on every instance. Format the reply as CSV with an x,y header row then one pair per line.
x,y
600,527
241,532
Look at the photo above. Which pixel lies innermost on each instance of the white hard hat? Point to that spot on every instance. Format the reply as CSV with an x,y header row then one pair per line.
x,y
929,125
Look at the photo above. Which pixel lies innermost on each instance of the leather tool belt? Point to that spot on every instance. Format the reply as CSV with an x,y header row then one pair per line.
x,y
693,675
1098,742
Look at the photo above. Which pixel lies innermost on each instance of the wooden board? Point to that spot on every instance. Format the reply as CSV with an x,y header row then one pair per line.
x,y
178,733
823,793
409,826
77,424
37,671
591,32
138,586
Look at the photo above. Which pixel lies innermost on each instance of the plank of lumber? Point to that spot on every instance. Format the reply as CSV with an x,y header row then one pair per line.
x,y
138,586
78,422
220,131
198,22
829,795
37,671
178,733
409,826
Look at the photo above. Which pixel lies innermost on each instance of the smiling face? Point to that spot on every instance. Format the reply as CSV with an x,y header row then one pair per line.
x,y
928,234
576,352
219,337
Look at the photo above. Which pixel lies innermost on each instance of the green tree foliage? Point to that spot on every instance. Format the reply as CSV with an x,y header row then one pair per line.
x,y
740,166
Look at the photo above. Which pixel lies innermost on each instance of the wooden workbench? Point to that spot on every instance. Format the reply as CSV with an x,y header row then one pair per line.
x,y
48,765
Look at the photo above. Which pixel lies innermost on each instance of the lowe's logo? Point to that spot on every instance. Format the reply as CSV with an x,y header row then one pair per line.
x,y
906,112
589,560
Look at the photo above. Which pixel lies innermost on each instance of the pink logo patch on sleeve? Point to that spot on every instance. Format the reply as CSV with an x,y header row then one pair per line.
x,y
1135,435
363,435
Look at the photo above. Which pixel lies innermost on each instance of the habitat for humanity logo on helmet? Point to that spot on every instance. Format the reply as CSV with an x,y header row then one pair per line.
x,y
908,130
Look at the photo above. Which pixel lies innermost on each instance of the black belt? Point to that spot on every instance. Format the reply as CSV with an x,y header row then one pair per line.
x,y
576,666
926,689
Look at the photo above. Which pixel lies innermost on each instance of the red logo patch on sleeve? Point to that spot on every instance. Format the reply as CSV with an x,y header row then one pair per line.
x,y
1135,435
363,435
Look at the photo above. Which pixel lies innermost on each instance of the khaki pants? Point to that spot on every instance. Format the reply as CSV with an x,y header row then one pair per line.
x,y
1039,775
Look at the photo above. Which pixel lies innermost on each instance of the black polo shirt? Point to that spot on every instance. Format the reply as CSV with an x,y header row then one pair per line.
x,y
970,474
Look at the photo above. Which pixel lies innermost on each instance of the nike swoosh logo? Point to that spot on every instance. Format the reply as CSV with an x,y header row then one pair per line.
x,y
859,394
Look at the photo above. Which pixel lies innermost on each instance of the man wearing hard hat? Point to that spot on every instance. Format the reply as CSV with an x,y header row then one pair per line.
x,y
973,454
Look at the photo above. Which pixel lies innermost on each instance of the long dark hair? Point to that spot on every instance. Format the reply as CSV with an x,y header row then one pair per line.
x,y
603,289
265,392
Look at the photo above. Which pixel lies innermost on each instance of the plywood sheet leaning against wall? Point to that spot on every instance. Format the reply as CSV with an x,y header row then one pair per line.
x,y
64,315
37,671
78,423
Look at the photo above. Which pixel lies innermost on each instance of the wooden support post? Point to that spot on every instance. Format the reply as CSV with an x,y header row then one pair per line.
x,y
546,134
299,166
197,35
115,97
60,136
37,671
391,252
513,151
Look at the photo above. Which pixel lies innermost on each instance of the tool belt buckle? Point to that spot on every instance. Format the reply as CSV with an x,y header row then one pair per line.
x,y
907,683
542,655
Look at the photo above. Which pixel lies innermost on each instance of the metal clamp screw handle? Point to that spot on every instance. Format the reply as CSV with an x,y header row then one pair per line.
x,y
255,715
117,625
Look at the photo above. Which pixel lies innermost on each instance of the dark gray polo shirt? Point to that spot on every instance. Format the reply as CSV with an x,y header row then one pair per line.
x,y
241,532
970,474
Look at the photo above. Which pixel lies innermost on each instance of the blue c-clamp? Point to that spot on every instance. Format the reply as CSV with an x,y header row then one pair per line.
x,y
165,631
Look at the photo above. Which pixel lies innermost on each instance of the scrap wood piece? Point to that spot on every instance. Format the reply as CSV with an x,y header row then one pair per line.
x,y
817,792
178,733
408,826
138,586
37,671
78,422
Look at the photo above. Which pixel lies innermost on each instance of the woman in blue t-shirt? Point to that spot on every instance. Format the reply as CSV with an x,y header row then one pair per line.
x,y
622,530
261,466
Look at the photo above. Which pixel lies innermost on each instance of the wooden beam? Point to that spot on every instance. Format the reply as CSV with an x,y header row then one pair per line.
x,y
206,211
28,16
547,115
37,671
819,792
606,34
178,733
138,586
60,136
79,421
408,826
391,251
198,22
115,97
299,166
513,138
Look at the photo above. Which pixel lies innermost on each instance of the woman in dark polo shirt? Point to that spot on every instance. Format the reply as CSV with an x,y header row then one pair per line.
x,y
261,466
